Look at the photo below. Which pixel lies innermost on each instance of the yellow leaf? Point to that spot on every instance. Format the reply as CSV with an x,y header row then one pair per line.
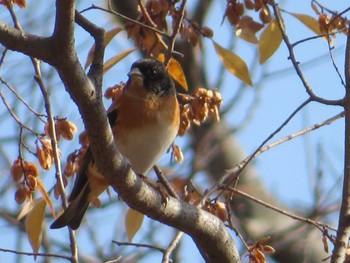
x,y
270,40
175,71
133,222
114,60
233,63
45,196
25,210
34,224
308,21
108,37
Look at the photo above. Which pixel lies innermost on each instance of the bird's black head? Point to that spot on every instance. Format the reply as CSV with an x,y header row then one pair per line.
x,y
155,76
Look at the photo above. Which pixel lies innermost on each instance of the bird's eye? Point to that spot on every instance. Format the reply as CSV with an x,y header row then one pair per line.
x,y
152,74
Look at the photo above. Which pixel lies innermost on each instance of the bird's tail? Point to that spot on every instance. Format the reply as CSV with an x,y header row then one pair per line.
x,y
74,213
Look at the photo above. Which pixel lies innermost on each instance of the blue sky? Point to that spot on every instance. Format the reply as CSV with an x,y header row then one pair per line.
x,y
288,171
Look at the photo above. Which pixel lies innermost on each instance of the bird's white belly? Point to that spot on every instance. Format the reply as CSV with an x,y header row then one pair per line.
x,y
144,147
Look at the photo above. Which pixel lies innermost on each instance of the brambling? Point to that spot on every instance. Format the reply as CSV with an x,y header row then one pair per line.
x,y
144,120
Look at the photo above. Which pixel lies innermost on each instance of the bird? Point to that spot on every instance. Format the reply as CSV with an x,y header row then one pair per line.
x,y
144,120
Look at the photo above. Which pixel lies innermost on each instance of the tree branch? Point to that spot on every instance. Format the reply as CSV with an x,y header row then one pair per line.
x,y
343,233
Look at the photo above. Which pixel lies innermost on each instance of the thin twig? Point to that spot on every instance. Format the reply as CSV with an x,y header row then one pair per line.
x,y
14,116
173,244
243,164
127,19
319,225
162,179
162,250
154,25
176,30
34,254
330,48
231,225
234,172
295,63
21,99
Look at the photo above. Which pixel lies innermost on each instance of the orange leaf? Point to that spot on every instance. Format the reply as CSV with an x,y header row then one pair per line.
x,y
270,40
108,37
34,224
233,63
175,71
308,21
45,196
133,222
114,60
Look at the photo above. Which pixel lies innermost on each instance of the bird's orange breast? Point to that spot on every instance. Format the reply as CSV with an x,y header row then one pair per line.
x,y
146,126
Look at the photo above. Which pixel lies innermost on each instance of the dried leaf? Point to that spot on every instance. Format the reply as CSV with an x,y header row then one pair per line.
x,y
34,224
133,222
46,196
108,37
175,71
233,63
114,60
308,21
20,3
247,28
270,40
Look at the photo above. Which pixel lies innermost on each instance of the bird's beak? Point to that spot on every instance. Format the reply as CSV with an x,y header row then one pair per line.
x,y
135,73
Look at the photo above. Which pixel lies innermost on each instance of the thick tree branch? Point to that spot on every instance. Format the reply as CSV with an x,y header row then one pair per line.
x,y
31,45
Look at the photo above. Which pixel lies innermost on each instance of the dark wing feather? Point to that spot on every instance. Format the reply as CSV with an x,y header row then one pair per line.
x,y
78,199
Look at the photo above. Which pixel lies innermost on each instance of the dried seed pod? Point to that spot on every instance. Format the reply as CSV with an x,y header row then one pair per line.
x,y
269,249
21,195
16,170
239,9
71,165
178,155
220,211
45,154
265,14
193,37
259,256
231,14
31,183
207,32
249,4
67,129
258,4
31,169
323,20
184,121
48,130
83,139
